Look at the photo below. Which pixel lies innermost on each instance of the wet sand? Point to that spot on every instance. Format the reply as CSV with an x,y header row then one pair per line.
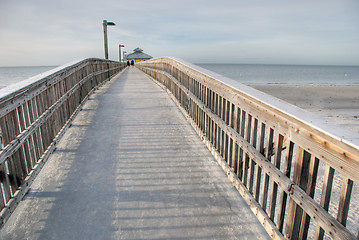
x,y
338,104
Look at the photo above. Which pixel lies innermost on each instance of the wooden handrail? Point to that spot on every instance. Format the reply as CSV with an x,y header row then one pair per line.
x,y
33,116
277,155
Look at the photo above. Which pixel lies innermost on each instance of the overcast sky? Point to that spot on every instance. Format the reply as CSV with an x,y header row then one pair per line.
x,y
49,32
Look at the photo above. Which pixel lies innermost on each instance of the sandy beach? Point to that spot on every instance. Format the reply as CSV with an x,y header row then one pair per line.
x,y
338,104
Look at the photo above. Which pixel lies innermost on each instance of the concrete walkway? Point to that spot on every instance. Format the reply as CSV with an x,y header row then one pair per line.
x,y
131,167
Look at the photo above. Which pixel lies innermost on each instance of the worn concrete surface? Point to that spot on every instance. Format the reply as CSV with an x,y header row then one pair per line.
x,y
131,167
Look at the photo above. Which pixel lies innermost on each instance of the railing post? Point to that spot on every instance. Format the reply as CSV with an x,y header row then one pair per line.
x,y
34,117
286,138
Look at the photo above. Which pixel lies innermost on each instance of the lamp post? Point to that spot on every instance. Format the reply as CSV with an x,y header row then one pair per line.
x,y
105,24
124,56
119,48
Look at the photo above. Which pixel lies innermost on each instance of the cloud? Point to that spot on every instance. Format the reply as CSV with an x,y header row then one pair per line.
x,y
237,30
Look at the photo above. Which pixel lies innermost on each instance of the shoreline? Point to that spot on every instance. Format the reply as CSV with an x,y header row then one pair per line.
x,y
335,103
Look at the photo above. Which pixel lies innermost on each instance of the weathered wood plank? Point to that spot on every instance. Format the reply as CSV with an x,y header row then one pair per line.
x,y
266,176
4,179
259,169
314,140
2,194
253,163
17,157
277,161
33,114
247,131
267,224
30,142
344,201
235,111
284,195
19,93
30,119
312,179
24,149
297,194
35,108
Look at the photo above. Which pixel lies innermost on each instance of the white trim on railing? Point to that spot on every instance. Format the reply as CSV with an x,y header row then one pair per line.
x,y
335,131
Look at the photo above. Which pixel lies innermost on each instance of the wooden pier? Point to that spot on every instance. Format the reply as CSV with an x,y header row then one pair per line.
x,y
124,162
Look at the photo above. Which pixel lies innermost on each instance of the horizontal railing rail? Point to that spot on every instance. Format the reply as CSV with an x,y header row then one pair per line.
x,y
296,171
33,116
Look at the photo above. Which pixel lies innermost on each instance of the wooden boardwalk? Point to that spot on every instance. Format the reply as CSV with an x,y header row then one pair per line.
x,y
131,167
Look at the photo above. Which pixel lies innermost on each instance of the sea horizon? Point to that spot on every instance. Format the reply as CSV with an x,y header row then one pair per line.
x,y
258,74
284,64
217,63
246,73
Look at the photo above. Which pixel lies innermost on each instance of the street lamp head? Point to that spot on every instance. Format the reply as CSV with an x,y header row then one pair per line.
x,y
111,24
120,45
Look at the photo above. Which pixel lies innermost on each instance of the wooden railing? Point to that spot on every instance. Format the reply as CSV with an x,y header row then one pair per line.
x,y
33,116
295,171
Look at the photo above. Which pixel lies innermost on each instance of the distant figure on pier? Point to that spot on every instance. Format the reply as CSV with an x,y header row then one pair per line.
x,y
132,62
128,63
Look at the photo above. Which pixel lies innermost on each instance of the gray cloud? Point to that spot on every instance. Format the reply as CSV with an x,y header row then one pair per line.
x,y
43,32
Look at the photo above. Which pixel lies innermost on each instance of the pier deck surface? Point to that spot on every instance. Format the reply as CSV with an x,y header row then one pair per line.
x,y
132,167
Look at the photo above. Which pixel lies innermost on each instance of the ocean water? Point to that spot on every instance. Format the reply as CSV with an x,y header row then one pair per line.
x,y
250,74
257,74
10,75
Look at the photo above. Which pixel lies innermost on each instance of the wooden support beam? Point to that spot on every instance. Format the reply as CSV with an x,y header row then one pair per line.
x,y
302,205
